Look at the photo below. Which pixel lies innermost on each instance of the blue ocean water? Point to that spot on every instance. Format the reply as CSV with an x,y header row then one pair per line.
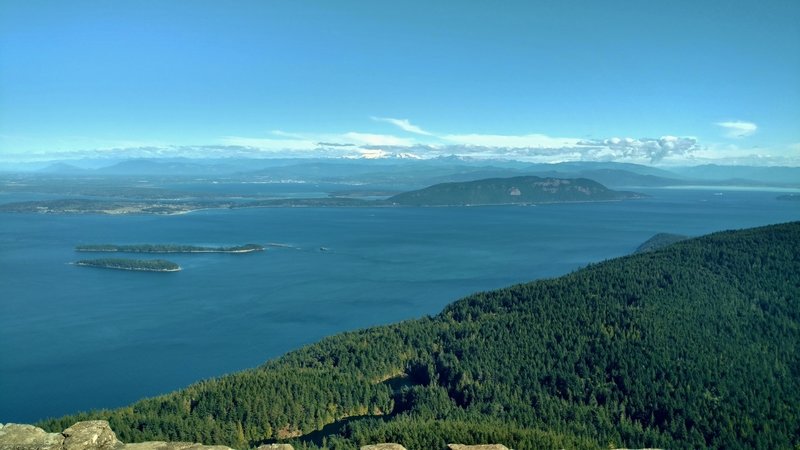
x,y
75,338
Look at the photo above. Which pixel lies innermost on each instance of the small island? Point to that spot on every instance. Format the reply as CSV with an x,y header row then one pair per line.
x,y
167,248
145,265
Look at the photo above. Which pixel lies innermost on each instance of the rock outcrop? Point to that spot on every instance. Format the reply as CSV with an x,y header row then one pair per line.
x,y
275,447
28,437
98,435
92,434
383,447
89,435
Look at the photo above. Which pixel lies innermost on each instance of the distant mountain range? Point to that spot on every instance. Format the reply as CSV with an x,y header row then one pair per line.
x,y
417,173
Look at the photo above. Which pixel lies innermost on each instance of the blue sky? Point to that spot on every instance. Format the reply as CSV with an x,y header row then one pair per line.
x,y
678,82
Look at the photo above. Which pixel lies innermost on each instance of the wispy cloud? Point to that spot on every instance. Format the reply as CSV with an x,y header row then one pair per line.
x,y
737,129
403,124
285,134
334,144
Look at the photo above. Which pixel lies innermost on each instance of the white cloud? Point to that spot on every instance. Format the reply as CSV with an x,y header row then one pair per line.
x,y
269,144
642,149
344,143
511,141
403,124
737,129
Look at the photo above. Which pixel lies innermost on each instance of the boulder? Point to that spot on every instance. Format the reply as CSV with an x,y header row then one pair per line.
x,y
90,435
275,447
28,437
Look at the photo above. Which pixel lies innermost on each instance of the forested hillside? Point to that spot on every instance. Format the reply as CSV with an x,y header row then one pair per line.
x,y
691,346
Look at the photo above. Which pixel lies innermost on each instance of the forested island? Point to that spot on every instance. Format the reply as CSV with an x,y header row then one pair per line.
x,y
693,345
145,265
167,248
515,190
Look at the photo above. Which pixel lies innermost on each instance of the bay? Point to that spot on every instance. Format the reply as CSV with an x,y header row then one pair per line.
x,y
75,338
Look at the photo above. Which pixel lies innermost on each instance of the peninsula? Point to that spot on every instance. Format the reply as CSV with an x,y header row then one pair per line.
x,y
144,265
167,248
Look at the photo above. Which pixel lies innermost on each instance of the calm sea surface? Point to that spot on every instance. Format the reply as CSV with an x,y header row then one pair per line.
x,y
75,338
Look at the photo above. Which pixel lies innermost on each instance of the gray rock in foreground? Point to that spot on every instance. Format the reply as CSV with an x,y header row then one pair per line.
x,y
89,435
98,435
92,434
28,437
